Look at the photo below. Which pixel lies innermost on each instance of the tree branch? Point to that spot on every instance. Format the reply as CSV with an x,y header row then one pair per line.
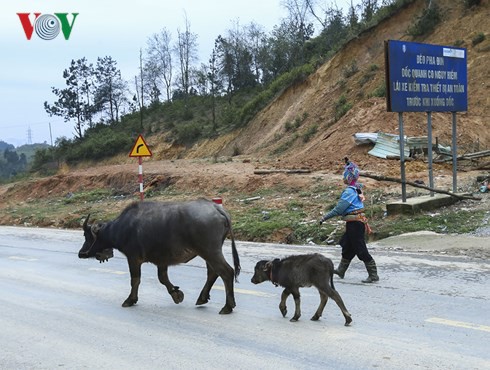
x,y
392,179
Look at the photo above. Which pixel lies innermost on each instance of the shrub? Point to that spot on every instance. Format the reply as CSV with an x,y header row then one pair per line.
x,y
350,70
44,161
187,133
312,130
380,91
427,22
478,38
236,150
296,75
342,107
286,145
103,143
471,3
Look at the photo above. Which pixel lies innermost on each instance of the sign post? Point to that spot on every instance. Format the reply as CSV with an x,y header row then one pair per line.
x,y
426,78
140,150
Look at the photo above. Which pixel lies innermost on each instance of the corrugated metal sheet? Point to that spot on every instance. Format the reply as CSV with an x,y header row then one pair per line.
x,y
387,145
418,142
365,138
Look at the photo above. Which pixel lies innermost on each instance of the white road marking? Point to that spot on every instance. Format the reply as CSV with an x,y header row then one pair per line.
x,y
458,324
244,291
18,258
108,271
217,287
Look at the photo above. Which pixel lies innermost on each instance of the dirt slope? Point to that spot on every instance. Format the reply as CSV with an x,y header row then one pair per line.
x,y
316,98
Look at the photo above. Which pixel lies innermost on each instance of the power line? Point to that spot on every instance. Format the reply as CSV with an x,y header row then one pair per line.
x,y
32,124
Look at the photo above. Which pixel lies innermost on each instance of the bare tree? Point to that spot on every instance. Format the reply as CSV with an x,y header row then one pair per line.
x,y
152,78
215,82
298,21
369,8
142,84
186,50
311,5
140,88
256,39
298,11
352,17
159,53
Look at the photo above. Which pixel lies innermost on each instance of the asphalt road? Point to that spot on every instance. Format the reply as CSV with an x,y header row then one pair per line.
x,y
59,312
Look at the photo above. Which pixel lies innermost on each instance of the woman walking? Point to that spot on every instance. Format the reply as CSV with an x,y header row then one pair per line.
x,y
351,207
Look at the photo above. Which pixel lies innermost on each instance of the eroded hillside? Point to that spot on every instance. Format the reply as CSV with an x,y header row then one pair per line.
x,y
311,104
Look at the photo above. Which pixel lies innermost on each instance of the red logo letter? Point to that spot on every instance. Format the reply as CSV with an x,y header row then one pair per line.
x,y
26,23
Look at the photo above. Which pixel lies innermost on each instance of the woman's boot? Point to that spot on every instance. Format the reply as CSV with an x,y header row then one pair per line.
x,y
343,266
372,271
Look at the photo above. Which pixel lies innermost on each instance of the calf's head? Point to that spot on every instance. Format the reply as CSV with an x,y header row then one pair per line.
x,y
262,272
94,246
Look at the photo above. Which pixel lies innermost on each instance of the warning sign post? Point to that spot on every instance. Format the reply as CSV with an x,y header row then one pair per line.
x,y
140,150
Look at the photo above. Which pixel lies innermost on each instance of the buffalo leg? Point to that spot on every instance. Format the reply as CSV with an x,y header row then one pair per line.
x,y
297,303
205,292
321,306
332,293
174,291
282,305
225,271
135,272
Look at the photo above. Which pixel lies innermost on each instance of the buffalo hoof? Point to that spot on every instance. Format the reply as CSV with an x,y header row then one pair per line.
x,y
348,320
294,319
129,302
226,310
177,296
202,300
283,310
315,318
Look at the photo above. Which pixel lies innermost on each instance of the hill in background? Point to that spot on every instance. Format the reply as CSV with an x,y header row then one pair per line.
x,y
301,128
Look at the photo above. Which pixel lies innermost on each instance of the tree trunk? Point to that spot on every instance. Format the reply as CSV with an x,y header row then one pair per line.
x,y
392,179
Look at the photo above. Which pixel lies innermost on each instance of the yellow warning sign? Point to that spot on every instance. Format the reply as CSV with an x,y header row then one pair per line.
x,y
140,148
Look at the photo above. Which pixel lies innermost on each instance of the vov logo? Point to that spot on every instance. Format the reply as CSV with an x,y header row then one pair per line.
x,y
47,26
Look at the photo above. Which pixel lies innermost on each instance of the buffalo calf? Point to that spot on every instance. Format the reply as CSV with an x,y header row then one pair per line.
x,y
295,272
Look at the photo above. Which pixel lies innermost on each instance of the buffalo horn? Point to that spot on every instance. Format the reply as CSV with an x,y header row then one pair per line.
x,y
85,223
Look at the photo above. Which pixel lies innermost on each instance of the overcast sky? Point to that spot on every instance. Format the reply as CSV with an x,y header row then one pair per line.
x,y
29,68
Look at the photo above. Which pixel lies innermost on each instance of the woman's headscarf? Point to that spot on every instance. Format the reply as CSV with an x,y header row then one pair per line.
x,y
351,173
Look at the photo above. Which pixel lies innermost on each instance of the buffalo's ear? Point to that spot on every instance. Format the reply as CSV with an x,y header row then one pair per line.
x,y
96,228
267,266
85,223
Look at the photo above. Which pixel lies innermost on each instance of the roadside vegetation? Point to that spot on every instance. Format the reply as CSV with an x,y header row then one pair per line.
x,y
277,214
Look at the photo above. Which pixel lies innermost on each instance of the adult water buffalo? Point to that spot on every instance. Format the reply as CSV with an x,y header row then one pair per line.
x,y
167,234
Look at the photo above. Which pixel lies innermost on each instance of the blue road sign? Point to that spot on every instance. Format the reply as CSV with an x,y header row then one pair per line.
x,y
425,77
